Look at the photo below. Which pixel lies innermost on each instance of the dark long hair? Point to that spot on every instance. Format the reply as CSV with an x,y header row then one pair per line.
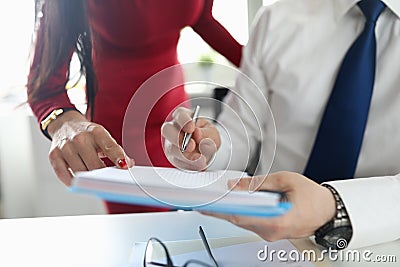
x,y
63,25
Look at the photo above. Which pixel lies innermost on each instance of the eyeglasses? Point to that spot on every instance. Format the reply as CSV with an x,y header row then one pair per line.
x,y
157,254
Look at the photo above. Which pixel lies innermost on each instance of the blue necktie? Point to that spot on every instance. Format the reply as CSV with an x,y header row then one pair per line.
x,y
339,138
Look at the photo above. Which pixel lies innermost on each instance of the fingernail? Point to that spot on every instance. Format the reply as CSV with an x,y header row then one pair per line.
x,y
122,163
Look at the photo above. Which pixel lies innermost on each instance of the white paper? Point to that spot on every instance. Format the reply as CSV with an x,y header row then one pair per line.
x,y
247,255
165,177
153,185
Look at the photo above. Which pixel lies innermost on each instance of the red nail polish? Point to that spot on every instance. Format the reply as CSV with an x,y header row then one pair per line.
x,y
122,163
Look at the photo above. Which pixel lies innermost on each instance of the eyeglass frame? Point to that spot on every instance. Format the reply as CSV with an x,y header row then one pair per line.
x,y
168,257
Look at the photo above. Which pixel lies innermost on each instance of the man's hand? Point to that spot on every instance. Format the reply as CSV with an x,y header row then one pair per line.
x,y
202,146
79,145
313,206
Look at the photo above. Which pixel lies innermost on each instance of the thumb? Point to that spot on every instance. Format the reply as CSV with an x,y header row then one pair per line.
x,y
273,182
208,148
205,130
249,183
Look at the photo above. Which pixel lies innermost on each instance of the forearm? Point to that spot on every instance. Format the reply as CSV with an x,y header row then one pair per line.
x,y
217,36
243,116
220,40
50,93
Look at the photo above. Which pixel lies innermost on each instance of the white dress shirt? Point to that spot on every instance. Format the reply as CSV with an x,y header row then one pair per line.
x,y
294,53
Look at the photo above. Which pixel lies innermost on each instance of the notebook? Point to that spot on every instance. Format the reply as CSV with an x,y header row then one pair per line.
x,y
178,189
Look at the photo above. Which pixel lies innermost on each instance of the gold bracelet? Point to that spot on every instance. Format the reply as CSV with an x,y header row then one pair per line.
x,y
51,117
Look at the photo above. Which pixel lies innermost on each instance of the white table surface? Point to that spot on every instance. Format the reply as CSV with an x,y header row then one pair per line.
x,y
107,240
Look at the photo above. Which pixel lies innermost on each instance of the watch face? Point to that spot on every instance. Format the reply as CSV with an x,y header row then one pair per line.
x,y
339,237
333,237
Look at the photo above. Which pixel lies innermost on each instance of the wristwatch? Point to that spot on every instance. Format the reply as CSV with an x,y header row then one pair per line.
x,y
51,117
337,233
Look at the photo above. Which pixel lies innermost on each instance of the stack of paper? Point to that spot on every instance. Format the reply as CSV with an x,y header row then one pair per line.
x,y
168,187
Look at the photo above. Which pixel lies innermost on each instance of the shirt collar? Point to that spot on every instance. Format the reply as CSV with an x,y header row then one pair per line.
x,y
394,5
343,6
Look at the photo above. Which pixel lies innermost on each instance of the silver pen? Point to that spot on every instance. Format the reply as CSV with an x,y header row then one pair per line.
x,y
187,136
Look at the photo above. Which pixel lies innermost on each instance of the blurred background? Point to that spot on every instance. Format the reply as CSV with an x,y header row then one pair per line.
x,y
28,186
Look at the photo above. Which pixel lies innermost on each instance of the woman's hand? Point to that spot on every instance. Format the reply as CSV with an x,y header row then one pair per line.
x,y
312,206
202,146
79,145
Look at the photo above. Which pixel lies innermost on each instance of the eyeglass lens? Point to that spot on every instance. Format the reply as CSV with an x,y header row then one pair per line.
x,y
156,254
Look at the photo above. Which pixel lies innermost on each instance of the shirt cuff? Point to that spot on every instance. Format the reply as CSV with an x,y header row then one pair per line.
x,y
372,206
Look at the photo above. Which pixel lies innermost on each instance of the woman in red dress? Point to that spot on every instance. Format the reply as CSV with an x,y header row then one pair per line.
x,y
120,45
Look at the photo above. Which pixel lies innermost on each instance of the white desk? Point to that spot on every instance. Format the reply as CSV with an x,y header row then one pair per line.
x,y
107,240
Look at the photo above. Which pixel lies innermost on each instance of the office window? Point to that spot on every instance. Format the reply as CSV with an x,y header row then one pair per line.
x,y
16,27
269,2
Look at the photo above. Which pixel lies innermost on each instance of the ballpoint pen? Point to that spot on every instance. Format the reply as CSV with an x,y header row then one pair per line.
x,y
187,136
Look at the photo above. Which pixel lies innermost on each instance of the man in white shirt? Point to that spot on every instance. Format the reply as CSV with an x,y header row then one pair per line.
x,y
293,56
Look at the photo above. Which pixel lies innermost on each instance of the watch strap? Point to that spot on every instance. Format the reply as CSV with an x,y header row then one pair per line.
x,y
53,115
336,233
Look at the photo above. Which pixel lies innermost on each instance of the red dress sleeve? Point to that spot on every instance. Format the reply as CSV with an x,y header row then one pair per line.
x,y
54,85
216,35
